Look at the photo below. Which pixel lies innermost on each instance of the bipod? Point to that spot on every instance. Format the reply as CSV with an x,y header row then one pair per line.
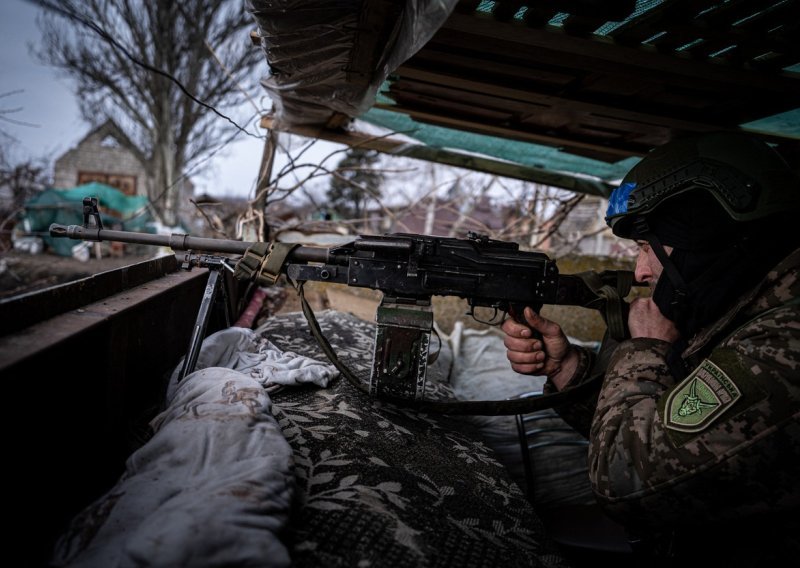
x,y
215,284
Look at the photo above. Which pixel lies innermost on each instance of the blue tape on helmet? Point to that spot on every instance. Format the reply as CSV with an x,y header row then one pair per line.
x,y
618,202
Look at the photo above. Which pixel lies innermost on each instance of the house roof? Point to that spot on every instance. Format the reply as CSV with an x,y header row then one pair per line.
x,y
570,93
110,128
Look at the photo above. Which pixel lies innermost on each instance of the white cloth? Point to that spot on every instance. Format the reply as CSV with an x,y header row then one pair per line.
x,y
245,351
214,485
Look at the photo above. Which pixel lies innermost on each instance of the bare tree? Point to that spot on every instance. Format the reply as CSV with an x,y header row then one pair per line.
x,y
5,117
18,183
355,183
165,71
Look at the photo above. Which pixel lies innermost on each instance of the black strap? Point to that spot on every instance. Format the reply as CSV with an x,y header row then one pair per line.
x,y
614,307
643,229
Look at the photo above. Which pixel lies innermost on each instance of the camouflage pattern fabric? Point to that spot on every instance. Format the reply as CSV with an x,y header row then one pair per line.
x,y
385,486
709,467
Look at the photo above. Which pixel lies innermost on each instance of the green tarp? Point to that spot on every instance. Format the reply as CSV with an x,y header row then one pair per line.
x,y
65,206
525,153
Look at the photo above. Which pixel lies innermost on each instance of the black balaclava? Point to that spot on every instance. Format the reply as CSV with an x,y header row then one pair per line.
x,y
717,259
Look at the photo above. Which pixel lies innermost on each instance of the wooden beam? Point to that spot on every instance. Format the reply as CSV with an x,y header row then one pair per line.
x,y
49,334
532,97
21,311
511,133
103,368
387,145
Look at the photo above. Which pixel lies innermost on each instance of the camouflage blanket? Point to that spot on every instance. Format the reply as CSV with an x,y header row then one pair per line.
x,y
264,456
384,485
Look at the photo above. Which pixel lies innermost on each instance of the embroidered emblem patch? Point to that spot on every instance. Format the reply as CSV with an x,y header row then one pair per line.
x,y
700,398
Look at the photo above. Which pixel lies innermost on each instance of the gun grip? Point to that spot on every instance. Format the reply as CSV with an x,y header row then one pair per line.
x,y
517,311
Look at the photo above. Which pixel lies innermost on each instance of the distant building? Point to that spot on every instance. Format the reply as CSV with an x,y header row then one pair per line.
x,y
584,231
448,217
105,155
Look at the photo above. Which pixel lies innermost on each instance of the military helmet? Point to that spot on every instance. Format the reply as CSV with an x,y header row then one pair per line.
x,y
747,177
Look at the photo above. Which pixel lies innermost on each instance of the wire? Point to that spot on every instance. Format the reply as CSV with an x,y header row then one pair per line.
x,y
73,15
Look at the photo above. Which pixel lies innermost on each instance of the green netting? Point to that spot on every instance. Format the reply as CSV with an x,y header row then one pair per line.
x,y
65,206
107,196
543,157
783,124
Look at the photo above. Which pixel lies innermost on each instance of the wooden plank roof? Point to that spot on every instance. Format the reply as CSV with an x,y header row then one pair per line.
x,y
680,67
604,80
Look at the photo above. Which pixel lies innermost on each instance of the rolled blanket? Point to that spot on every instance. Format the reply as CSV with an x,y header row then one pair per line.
x,y
212,487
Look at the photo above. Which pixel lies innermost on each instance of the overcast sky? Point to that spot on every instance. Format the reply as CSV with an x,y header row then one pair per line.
x,y
46,100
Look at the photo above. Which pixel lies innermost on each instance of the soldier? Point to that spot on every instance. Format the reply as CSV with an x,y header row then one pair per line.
x,y
693,426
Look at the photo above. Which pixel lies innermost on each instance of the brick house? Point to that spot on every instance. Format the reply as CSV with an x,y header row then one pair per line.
x,y
104,155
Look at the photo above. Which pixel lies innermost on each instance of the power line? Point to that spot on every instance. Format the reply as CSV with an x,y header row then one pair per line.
x,y
71,13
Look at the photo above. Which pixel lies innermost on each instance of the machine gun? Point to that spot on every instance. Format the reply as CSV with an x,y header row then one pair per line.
x,y
409,269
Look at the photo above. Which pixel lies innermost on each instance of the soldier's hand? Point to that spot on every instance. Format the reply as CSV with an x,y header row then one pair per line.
x,y
541,353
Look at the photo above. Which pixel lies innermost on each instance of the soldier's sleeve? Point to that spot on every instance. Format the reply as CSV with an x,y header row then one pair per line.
x,y
725,438
578,410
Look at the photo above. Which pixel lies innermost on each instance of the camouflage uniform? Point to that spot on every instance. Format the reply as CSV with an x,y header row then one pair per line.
x,y
710,464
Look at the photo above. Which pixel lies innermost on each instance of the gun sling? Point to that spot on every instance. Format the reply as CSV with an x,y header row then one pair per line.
x,y
264,262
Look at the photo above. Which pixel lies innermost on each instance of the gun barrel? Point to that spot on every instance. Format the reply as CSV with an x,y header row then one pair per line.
x,y
177,242
174,241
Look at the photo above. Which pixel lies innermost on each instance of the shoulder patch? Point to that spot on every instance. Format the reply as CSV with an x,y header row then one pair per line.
x,y
700,398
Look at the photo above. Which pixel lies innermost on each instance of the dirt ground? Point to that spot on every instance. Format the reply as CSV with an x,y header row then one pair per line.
x,y
21,272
